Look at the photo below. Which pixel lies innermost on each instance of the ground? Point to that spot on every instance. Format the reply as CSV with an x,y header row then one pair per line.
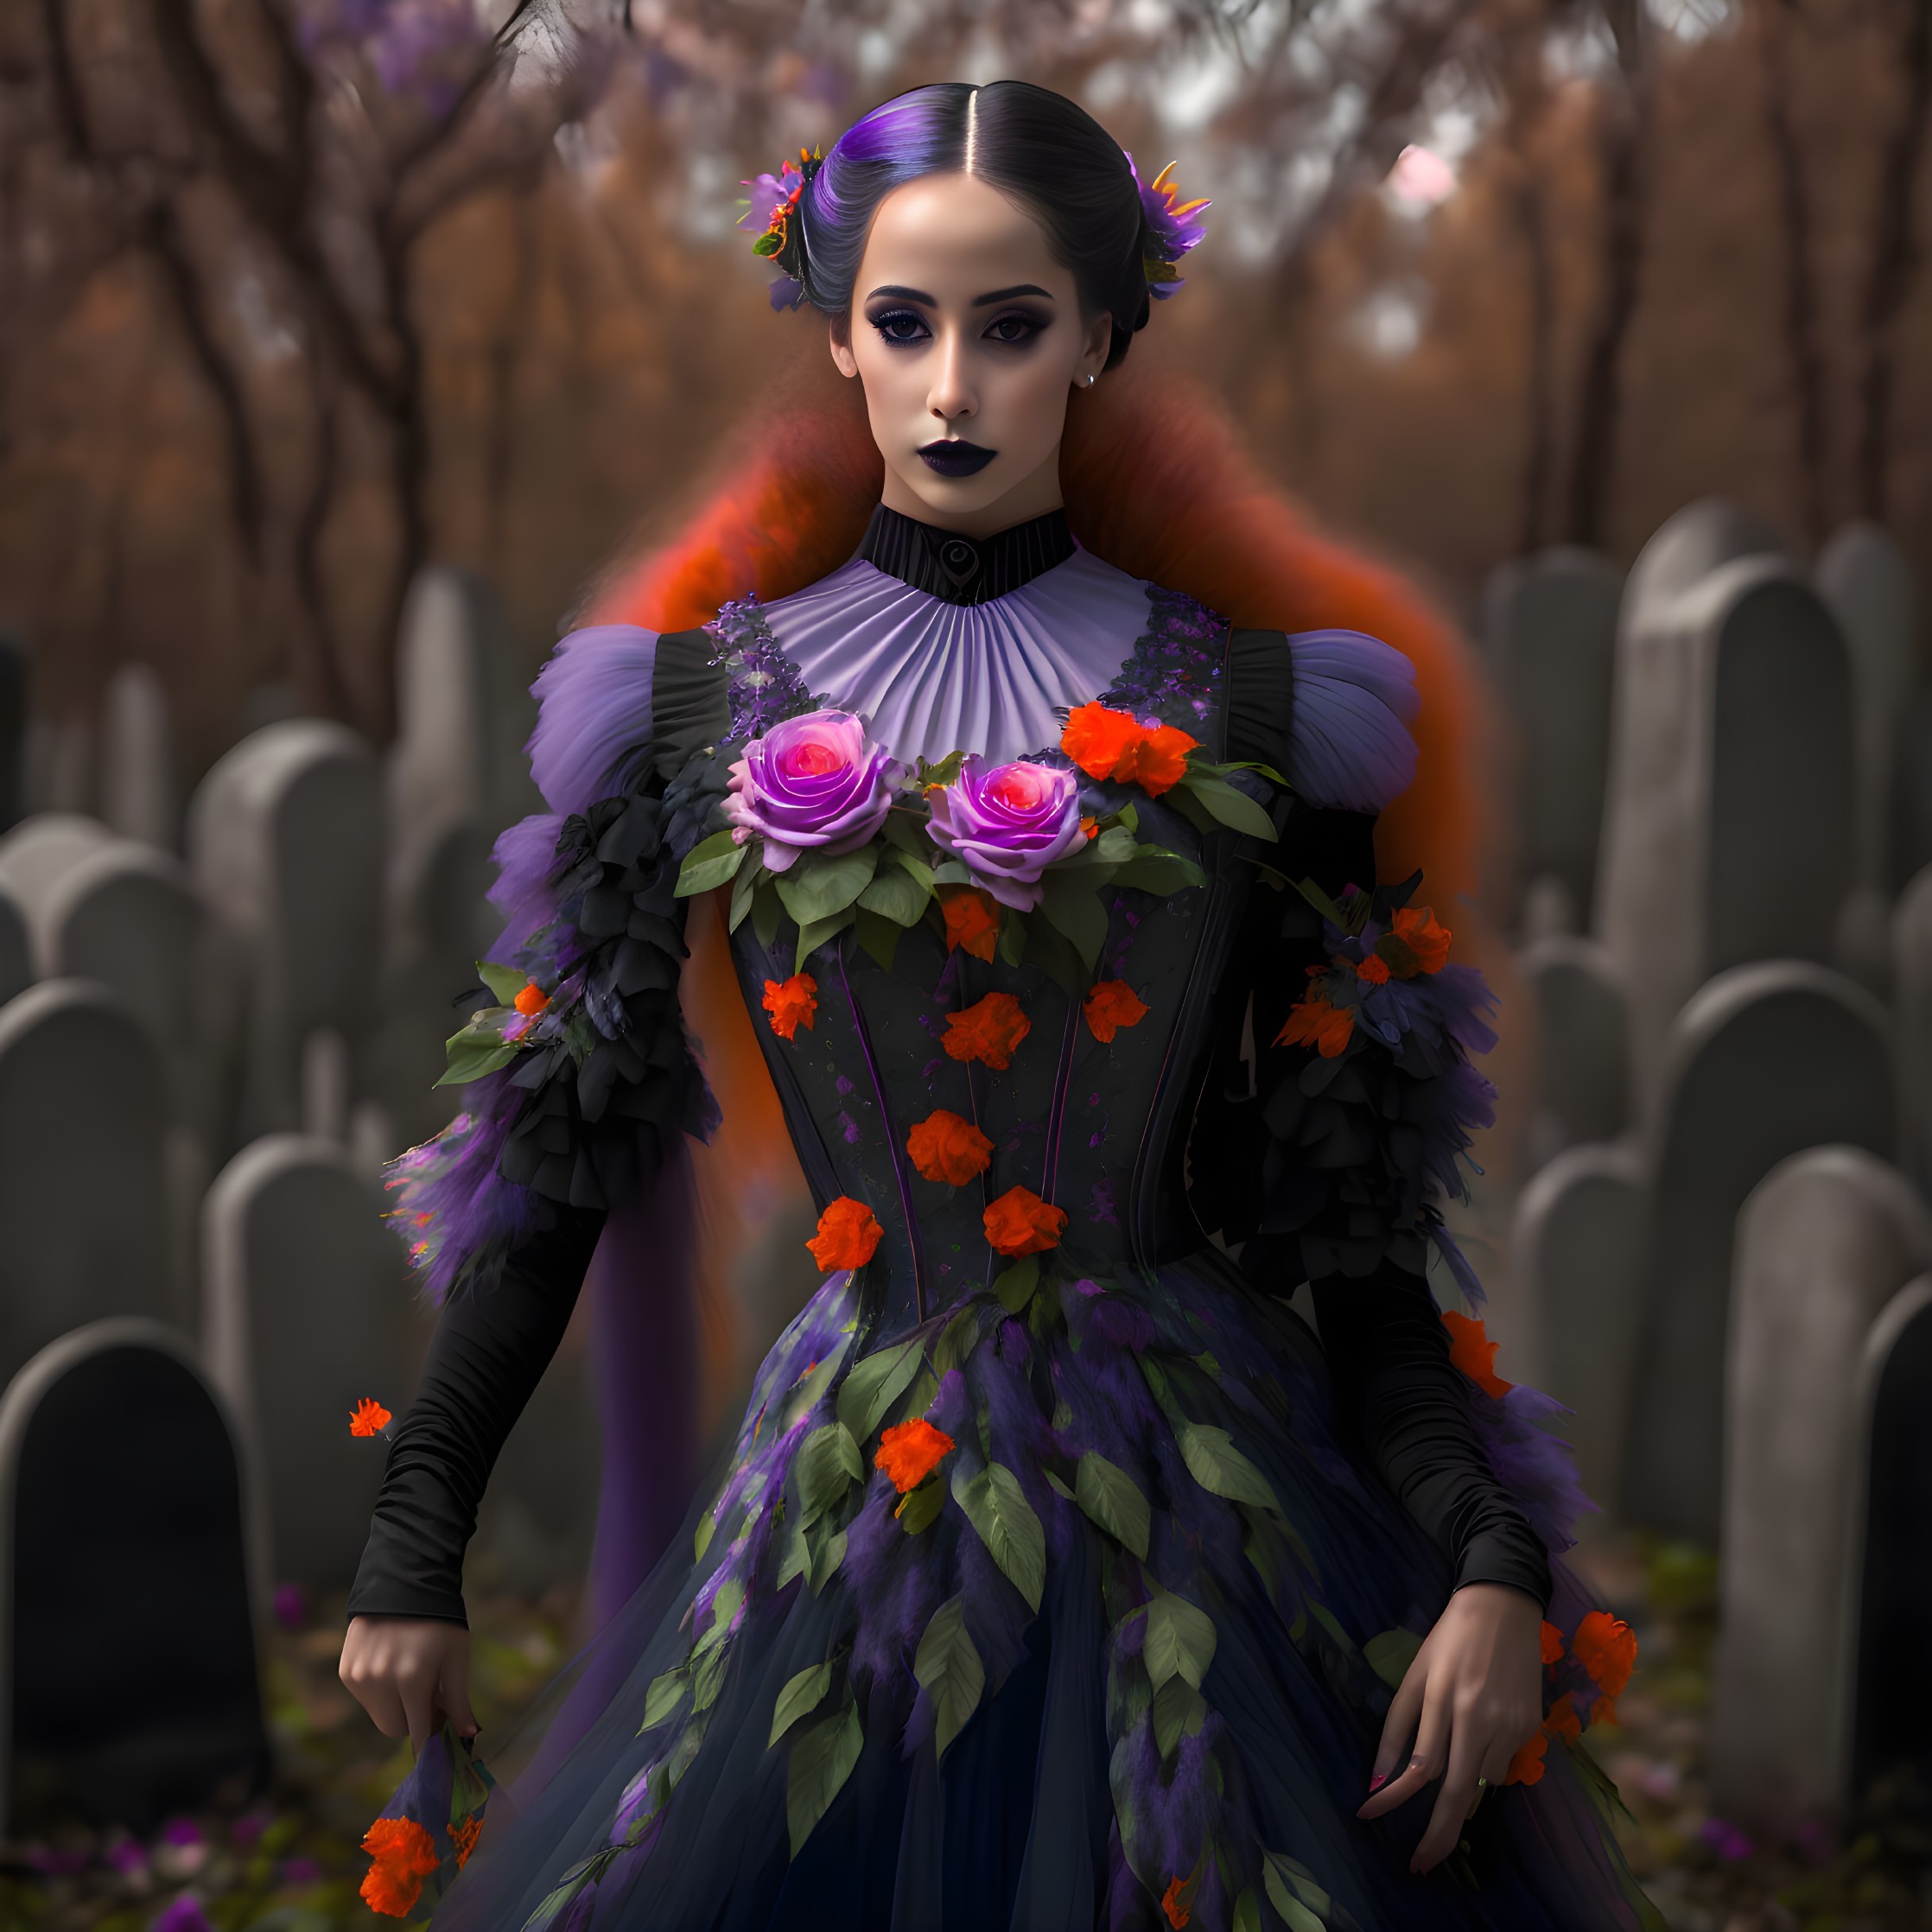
x,y
289,1861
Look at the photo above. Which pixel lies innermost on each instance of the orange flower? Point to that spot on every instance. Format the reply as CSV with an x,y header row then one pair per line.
x,y
1416,928
368,1417
1474,1353
1553,1642
1109,1006
1527,1766
1178,1914
1607,1646
404,1855
989,1031
1373,970
464,1837
1604,1711
1020,1222
1161,759
946,1147
1563,1721
848,1235
532,1000
1100,742
910,1452
1090,827
1320,1023
791,1003
972,921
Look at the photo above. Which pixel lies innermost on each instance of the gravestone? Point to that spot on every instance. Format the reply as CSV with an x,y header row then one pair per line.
x,y
1763,1061
1685,548
1886,1664
139,796
127,915
1549,624
16,947
1729,831
286,845
128,1676
1825,1241
1584,1074
14,676
1911,953
83,1120
1575,1247
305,1312
1866,580
35,855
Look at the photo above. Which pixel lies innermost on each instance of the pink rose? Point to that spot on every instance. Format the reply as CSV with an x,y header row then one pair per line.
x,y
1008,825
811,782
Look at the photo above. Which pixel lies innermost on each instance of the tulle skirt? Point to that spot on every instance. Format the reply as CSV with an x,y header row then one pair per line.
x,y
1119,1658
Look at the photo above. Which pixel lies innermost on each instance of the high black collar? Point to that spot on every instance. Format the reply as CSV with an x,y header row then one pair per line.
x,y
964,570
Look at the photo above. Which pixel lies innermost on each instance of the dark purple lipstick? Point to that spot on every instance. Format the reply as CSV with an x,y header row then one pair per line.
x,y
956,457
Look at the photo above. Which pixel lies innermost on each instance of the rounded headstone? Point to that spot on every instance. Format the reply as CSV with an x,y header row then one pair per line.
x,y
35,855
1911,965
1685,548
1764,1062
305,1312
139,797
83,1122
127,1658
1824,1242
1584,1070
1575,1247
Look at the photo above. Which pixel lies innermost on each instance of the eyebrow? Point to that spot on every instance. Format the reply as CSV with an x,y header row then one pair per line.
x,y
895,292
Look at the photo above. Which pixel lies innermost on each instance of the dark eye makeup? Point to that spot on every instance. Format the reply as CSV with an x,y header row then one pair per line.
x,y
1013,328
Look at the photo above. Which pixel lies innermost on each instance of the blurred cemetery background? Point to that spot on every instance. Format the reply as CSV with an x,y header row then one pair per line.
x,y
342,342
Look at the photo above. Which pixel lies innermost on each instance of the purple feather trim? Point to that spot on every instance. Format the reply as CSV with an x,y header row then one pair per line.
x,y
451,1205
524,858
1348,730
1535,1466
594,699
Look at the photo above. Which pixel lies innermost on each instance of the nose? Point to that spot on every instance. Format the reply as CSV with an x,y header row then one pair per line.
x,y
952,395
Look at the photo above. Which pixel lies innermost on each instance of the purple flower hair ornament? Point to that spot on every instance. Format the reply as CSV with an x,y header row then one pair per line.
x,y
814,783
773,209
1174,228
1007,825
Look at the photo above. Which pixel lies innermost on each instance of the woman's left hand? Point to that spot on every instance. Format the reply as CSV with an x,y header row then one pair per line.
x,y
1470,1700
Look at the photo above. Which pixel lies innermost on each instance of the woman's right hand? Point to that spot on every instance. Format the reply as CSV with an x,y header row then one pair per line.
x,y
409,1674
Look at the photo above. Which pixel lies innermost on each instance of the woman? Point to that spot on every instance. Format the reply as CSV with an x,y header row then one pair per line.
x,y
1061,1577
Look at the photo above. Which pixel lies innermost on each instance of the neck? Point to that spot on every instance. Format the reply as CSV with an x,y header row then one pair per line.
x,y
1036,495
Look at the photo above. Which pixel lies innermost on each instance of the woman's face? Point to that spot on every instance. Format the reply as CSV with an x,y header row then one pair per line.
x,y
968,337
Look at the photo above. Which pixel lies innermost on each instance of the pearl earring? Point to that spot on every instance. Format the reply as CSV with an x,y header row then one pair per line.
x,y
1088,381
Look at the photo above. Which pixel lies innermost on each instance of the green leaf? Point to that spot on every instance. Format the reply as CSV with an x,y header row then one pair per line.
x,y
797,1559
1390,1654
767,244
943,772
1326,1617
1053,953
707,1528
1248,1912
822,1760
914,867
1179,1709
742,891
949,1671
1280,1879
919,1396
662,1699
1301,1881
919,1509
874,1384
765,912
1232,807
1075,910
708,1679
957,1341
997,1507
1179,1641
710,863
894,894
812,936
951,871
1322,903
1015,1286
815,888
828,1465
1114,847
505,982
802,1695
1221,1469
880,936
1153,870
724,1607
472,1056
1012,937
1058,1486
1113,1499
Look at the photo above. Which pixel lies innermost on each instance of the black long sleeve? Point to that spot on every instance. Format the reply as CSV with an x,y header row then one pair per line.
x,y
1388,1353
489,1351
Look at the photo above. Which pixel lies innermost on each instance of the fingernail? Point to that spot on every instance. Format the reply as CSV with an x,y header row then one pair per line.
x,y
1376,1782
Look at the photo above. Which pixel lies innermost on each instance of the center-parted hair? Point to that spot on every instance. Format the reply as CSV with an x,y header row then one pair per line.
x,y
1042,149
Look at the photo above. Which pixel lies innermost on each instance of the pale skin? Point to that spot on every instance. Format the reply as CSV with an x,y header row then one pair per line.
x,y
964,327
